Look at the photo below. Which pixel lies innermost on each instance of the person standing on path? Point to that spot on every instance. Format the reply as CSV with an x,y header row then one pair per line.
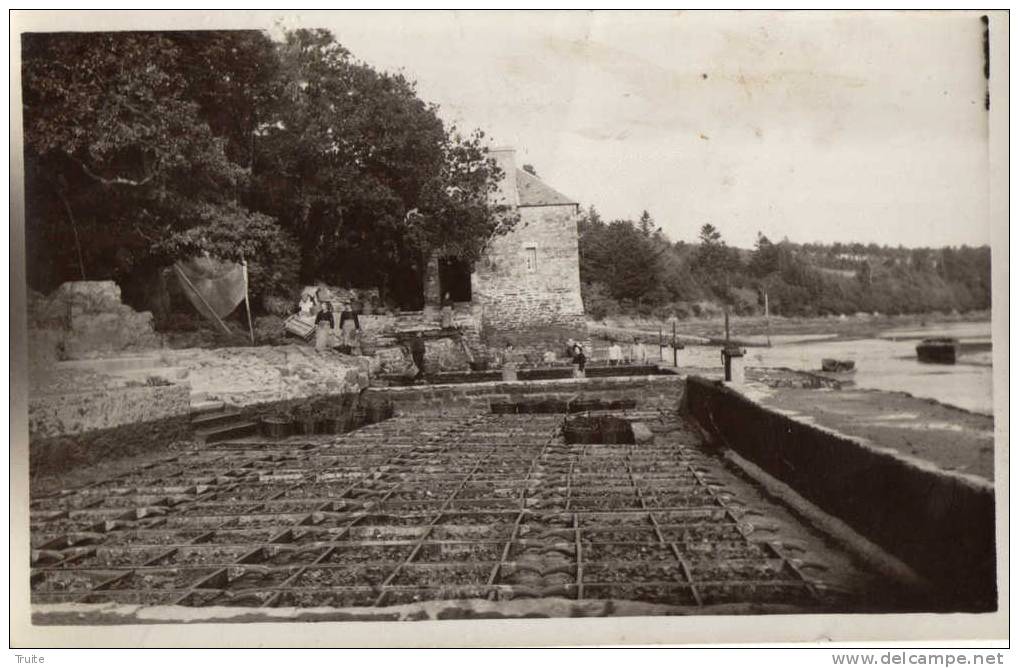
x,y
417,352
324,324
446,315
615,354
578,356
350,328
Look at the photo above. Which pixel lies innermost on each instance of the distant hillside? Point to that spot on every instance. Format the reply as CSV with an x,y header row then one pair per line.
x,y
631,267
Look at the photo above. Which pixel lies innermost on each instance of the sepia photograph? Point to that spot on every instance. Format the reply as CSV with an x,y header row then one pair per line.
x,y
682,319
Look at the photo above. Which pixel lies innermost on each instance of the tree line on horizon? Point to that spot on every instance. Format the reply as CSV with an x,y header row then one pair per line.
x,y
146,147
631,267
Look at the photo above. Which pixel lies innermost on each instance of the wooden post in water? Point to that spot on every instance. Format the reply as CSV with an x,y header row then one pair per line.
x,y
675,360
767,318
661,355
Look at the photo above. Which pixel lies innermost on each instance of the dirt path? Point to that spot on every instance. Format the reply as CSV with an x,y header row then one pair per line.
x,y
949,437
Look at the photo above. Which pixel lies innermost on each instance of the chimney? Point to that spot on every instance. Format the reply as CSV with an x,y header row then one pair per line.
x,y
505,157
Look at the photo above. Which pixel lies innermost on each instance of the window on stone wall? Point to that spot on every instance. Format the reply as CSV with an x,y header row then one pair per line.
x,y
531,258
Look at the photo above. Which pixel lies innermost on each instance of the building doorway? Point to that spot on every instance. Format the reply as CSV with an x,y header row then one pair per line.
x,y
454,278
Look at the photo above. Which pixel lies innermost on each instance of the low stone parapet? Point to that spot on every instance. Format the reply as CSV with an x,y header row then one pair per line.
x,y
941,523
662,392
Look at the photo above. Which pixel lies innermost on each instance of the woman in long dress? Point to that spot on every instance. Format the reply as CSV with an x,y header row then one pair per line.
x,y
323,326
350,327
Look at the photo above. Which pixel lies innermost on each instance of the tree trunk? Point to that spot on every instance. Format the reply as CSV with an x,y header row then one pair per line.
x,y
74,229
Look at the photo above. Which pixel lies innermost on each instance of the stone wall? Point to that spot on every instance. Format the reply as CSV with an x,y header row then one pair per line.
x,y
58,454
939,522
516,295
102,408
652,392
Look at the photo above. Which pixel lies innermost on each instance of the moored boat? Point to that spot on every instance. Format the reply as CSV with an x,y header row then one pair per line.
x,y
938,350
837,366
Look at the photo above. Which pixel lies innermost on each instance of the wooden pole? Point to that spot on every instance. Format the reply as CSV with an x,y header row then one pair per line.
x,y
726,323
74,228
767,318
247,301
675,357
661,353
180,272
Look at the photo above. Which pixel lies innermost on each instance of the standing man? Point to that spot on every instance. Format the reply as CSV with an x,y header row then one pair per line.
x,y
417,352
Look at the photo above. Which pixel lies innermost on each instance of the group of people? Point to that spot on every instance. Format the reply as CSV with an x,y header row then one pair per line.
x,y
325,323
636,353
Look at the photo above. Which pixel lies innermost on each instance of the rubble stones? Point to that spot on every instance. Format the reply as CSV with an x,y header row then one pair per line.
x,y
84,319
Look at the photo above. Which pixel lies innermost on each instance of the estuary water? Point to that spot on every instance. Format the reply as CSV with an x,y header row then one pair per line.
x,y
886,362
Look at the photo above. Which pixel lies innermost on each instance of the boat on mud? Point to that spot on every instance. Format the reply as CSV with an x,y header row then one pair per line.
x,y
837,366
938,350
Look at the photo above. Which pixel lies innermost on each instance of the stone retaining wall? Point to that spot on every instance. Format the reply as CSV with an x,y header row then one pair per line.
x,y
56,454
93,409
939,522
652,392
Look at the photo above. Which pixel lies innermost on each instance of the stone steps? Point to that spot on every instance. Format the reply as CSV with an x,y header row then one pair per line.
x,y
214,421
200,405
211,419
226,432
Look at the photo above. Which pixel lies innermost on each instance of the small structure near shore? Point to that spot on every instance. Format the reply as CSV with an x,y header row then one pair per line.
x,y
938,350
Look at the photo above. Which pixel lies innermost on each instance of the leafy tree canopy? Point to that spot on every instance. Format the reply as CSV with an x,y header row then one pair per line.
x,y
147,146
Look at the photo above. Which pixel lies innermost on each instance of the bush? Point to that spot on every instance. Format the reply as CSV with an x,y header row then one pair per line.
x,y
598,303
232,233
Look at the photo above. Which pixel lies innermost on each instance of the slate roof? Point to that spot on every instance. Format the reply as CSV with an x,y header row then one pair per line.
x,y
532,191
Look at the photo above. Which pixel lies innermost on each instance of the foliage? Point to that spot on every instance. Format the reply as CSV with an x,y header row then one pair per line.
x,y
800,279
619,256
357,167
145,147
116,151
233,233
716,263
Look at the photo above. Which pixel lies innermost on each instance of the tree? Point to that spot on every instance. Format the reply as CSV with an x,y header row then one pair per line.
x,y
618,256
715,263
646,224
366,176
119,149
765,258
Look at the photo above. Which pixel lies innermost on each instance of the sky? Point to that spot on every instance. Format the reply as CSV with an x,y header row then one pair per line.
x,y
811,126
807,126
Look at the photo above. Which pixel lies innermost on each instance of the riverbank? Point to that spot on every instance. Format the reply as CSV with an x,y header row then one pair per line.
x,y
754,330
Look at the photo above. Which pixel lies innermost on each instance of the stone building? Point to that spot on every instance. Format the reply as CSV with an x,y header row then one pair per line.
x,y
527,285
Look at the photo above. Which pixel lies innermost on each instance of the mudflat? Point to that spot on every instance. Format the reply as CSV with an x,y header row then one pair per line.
x,y
951,438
